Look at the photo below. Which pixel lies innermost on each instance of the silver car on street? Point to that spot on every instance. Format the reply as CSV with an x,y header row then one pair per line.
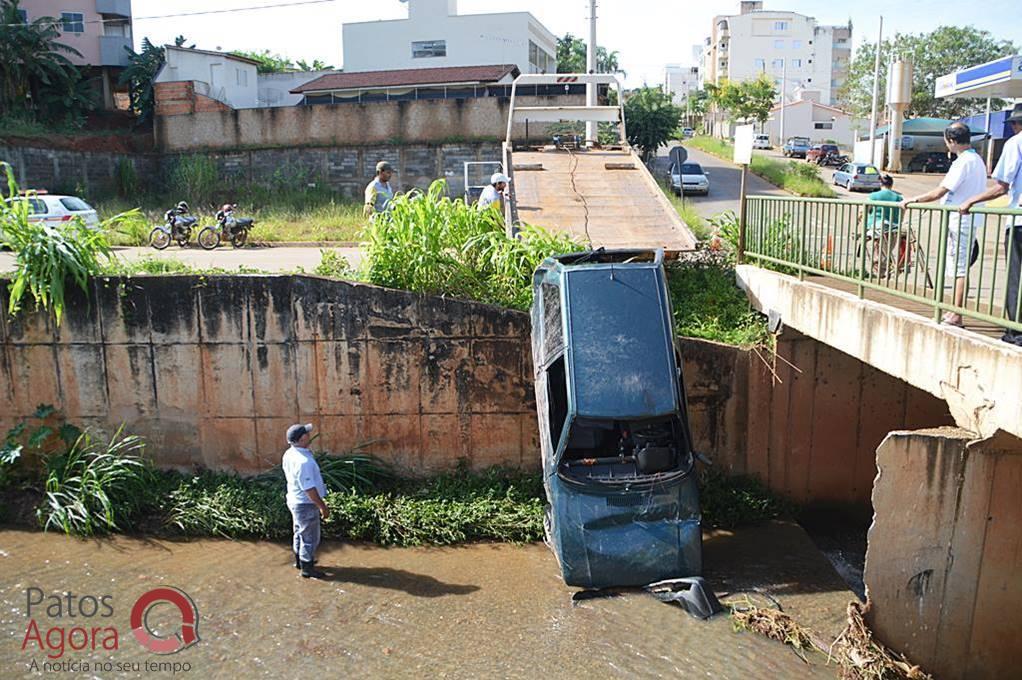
x,y
858,177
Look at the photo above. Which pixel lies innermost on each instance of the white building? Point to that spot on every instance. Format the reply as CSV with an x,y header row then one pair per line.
x,y
819,122
680,81
217,75
274,89
434,34
790,48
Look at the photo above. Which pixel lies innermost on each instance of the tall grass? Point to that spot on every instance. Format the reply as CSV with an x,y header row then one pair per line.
x,y
47,257
95,487
688,212
196,179
433,244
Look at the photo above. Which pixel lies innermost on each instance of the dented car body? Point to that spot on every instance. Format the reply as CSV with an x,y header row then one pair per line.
x,y
618,464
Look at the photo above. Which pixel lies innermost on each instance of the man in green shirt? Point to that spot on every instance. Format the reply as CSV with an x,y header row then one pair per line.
x,y
883,225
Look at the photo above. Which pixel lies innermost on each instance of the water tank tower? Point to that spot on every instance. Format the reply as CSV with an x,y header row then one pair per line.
x,y
899,97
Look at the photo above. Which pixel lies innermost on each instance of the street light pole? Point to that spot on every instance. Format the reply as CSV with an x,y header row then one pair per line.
x,y
876,88
591,126
784,87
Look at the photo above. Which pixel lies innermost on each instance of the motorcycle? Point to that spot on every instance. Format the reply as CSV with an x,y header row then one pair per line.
x,y
234,229
177,226
832,160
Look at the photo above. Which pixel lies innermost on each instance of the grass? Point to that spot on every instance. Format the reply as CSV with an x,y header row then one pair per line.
x,y
687,211
708,303
800,179
319,219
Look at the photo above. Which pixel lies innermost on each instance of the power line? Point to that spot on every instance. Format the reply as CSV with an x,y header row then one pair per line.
x,y
56,21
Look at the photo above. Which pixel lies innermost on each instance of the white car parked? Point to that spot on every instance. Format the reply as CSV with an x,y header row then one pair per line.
x,y
689,178
761,142
54,209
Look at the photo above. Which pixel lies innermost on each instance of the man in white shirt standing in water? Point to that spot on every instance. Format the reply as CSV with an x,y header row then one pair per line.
x,y
967,177
305,494
1008,179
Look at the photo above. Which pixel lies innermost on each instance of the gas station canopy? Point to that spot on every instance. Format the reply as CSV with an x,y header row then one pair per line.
x,y
1000,79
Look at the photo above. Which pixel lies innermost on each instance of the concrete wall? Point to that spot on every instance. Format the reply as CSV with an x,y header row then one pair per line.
x,y
211,370
811,432
432,121
345,169
944,556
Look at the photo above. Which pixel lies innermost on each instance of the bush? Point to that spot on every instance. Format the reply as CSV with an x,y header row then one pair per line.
x,y
335,266
126,178
727,502
432,244
195,179
94,487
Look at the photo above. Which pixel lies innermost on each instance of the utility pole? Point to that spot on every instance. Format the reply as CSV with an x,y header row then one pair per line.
x,y
784,87
591,126
876,88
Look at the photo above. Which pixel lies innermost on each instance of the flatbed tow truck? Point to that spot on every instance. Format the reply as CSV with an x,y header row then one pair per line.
x,y
603,195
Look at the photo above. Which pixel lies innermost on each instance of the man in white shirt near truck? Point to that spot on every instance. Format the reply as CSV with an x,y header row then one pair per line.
x,y
305,494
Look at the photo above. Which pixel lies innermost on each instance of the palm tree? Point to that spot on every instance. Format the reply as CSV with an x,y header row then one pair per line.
x,y
33,61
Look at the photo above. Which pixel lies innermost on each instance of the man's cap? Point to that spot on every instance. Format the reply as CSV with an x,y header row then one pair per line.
x,y
1016,114
296,432
499,177
384,165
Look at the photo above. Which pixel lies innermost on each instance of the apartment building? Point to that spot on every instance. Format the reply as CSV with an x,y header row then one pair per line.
x,y
435,35
680,81
795,51
99,30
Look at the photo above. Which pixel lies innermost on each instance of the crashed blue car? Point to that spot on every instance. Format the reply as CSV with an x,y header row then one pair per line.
x,y
618,462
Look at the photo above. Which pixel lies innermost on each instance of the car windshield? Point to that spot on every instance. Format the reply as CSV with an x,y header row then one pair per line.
x,y
828,147
691,169
74,204
800,141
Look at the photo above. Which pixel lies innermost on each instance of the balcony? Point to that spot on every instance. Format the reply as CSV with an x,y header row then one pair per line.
x,y
111,50
121,8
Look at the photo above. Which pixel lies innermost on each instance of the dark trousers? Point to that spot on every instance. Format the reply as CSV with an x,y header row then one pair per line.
x,y
1013,253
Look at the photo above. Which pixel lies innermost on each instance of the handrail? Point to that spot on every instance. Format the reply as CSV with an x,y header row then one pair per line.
x,y
920,253
567,112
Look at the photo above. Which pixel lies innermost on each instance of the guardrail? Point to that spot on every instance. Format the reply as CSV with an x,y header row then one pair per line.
x,y
902,252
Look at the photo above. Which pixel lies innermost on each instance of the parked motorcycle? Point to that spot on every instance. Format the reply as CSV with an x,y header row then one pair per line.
x,y
177,226
833,160
234,229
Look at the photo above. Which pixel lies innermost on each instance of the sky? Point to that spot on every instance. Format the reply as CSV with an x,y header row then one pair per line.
x,y
647,33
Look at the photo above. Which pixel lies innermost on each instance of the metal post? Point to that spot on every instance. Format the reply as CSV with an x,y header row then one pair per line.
x,y
784,86
861,289
938,285
591,126
990,141
802,244
742,214
876,88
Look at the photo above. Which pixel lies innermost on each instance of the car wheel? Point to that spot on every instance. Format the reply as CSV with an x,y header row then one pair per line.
x,y
848,185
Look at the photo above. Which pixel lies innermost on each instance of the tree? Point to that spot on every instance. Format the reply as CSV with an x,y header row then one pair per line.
x,y
36,70
571,57
316,65
933,54
746,101
267,62
651,119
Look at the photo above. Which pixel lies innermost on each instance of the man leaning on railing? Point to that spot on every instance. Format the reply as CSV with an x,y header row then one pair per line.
x,y
966,177
1008,178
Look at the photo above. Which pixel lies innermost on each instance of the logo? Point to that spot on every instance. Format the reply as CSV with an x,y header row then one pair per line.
x,y
186,636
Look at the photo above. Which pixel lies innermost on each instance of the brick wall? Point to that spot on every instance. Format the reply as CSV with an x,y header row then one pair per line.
x,y
179,98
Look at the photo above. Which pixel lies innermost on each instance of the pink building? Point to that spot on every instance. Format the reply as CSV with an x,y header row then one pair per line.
x,y
99,29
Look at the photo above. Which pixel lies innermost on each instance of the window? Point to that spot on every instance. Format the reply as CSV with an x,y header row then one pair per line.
x,y
74,22
761,64
823,126
796,63
778,64
780,25
425,49
22,16
74,204
796,44
539,60
778,44
242,77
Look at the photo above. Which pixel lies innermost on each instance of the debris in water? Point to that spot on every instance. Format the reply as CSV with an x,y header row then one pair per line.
x,y
592,594
692,594
863,658
774,624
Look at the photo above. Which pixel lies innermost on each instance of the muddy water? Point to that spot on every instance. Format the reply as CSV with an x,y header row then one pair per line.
x,y
466,612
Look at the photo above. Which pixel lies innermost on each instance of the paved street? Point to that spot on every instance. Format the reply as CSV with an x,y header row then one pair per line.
x,y
271,259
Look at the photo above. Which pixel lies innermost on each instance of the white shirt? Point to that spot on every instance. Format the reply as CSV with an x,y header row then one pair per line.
x,y
1009,171
966,178
301,472
379,194
489,196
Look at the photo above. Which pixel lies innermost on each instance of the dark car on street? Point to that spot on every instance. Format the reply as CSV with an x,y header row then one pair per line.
x,y
819,151
930,162
618,462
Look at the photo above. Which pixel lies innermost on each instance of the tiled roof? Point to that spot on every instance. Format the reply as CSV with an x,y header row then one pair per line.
x,y
405,77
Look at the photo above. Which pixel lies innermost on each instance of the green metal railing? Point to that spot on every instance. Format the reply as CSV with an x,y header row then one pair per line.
x,y
879,246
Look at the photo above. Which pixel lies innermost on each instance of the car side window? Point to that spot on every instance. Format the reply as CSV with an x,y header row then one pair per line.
x,y
37,206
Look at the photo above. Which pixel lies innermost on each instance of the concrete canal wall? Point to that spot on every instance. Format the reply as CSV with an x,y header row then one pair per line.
x,y
944,558
212,369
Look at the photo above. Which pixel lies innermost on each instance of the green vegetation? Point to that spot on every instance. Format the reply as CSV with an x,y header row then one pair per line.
x,y
708,303
433,244
728,502
652,119
140,73
801,179
47,257
687,211
571,57
746,101
276,63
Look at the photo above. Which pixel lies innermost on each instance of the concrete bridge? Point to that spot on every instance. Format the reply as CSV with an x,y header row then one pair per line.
x,y
945,546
